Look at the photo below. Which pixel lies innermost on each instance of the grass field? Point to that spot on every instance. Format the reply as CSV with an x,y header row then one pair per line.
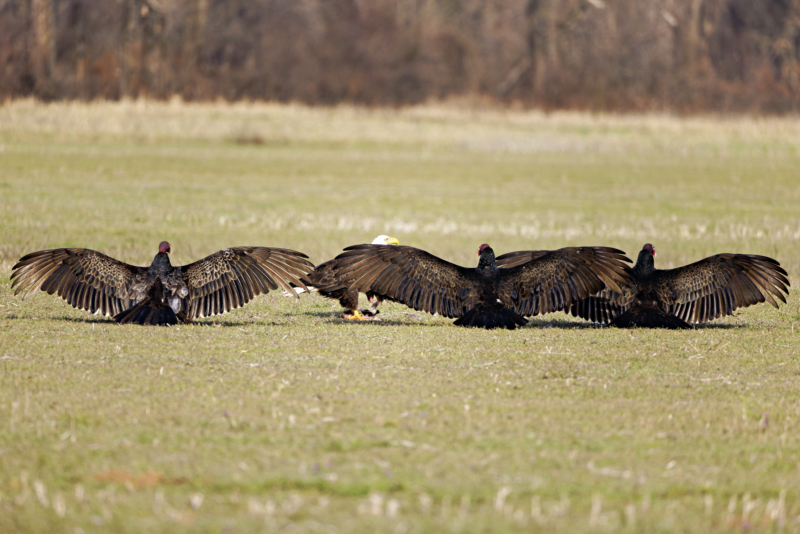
x,y
282,417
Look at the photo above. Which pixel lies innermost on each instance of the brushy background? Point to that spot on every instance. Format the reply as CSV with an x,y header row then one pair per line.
x,y
604,55
281,416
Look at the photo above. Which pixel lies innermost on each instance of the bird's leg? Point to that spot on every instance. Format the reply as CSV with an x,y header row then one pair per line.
x,y
356,316
374,302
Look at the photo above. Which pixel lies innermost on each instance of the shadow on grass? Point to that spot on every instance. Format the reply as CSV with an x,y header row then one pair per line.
x,y
92,319
586,325
713,326
225,324
563,325
110,321
336,318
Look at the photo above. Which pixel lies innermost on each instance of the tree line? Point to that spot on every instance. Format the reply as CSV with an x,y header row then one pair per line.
x,y
610,55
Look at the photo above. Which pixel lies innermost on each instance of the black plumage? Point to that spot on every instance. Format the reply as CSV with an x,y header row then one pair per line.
x,y
484,296
697,293
159,294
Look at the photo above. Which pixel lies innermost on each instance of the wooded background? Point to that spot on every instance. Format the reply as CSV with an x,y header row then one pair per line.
x,y
615,55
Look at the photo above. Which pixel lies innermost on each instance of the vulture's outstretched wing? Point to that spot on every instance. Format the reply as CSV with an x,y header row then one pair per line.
x,y
718,285
701,291
409,275
603,307
230,278
515,259
551,281
86,279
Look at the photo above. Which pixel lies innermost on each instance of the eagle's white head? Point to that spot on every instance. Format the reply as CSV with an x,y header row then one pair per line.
x,y
385,240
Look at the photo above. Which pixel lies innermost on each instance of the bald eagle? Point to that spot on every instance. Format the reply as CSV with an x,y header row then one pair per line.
x,y
326,275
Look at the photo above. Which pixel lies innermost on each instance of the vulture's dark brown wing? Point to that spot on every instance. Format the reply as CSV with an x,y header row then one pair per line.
x,y
515,259
553,280
718,285
605,306
699,292
86,279
230,278
411,276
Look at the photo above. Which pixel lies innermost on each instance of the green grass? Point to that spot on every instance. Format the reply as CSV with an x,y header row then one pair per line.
x,y
280,416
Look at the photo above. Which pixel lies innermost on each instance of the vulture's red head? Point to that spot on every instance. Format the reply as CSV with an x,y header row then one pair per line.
x,y
482,248
164,248
650,248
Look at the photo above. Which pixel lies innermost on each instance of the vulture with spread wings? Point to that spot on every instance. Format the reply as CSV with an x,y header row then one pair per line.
x,y
159,294
695,293
484,296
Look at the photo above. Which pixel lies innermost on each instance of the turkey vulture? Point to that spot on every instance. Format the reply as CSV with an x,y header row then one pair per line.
x,y
695,293
160,294
484,296
325,275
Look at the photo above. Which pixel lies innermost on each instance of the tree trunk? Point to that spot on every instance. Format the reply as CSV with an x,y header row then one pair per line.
x,y
44,51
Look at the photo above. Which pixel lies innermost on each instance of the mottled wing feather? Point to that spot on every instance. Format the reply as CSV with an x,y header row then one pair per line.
x,y
699,292
325,279
515,259
411,276
718,285
553,280
604,307
230,278
86,279
324,275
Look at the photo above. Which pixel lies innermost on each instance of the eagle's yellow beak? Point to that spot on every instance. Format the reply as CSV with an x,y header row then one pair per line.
x,y
392,241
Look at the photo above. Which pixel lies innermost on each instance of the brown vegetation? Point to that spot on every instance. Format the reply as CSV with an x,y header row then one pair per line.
x,y
680,55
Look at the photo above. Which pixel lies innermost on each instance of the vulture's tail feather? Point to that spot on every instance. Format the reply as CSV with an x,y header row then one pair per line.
x,y
145,313
491,317
649,317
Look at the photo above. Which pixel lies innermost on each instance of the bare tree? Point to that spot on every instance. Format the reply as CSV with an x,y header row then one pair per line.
x,y
683,55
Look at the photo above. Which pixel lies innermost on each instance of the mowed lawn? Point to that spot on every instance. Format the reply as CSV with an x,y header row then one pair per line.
x,y
281,416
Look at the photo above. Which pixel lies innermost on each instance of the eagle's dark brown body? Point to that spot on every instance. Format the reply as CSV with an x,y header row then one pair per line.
x,y
697,293
159,294
324,275
484,296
